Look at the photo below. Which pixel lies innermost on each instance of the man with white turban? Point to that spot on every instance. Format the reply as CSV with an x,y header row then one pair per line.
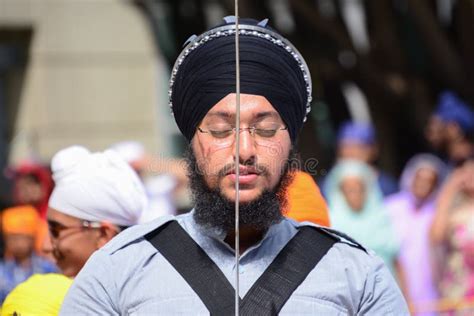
x,y
96,196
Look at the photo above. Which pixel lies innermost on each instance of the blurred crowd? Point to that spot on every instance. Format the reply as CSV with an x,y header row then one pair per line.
x,y
380,63
421,224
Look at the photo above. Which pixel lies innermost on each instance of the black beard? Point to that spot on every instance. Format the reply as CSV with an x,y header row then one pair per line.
x,y
213,210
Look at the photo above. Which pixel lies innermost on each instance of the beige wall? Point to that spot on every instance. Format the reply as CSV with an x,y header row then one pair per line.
x,y
93,77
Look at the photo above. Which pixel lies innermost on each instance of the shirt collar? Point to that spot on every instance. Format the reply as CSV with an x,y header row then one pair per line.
x,y
219,235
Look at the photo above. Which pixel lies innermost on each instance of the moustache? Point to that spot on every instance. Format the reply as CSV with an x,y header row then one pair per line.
x,y
253,168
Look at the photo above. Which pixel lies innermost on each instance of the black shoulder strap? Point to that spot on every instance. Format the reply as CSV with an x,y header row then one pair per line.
x,y
271,291
195,266
289,269
348,239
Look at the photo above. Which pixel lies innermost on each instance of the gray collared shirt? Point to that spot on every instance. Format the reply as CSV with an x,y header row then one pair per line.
x,y
129,276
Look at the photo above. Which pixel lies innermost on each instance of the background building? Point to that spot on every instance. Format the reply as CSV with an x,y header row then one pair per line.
x,y
79,71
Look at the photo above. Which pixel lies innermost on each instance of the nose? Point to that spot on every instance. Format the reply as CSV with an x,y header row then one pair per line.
x,y
47,246
247,150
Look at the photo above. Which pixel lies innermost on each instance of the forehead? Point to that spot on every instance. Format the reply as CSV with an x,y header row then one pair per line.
x,y
353,144
57,216
426,171
18,237
352,180
251,107
27,179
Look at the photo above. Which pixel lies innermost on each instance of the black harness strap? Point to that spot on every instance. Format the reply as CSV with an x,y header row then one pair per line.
x,y
195,266
271,291
289,269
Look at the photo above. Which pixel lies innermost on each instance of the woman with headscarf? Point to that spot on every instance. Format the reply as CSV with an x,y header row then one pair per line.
x,y
356,208
412,211
32,185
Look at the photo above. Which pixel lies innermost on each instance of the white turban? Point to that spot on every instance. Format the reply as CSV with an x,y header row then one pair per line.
x,y
130,151
96,187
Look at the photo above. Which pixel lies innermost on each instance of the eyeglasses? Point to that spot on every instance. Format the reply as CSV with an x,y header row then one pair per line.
x,y
56,228
262,132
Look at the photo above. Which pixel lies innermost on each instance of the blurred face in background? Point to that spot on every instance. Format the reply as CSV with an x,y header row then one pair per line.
x,y
434,132
19,246
354,191
29,190
453,132
70,242
424,183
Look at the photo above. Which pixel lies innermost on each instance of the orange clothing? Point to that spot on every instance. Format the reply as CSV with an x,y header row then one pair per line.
x,y
305,202
20,220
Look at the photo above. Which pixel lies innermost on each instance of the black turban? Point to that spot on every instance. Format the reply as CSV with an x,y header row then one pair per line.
x,y
207,74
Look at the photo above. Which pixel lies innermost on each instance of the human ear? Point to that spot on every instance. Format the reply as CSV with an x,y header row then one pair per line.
x,y
107,232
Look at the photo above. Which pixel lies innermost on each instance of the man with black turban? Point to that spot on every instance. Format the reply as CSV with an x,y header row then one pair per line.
x,y
186,264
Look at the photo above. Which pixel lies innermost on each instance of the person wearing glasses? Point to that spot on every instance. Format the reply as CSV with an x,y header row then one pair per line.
x,y
187,265
96,196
